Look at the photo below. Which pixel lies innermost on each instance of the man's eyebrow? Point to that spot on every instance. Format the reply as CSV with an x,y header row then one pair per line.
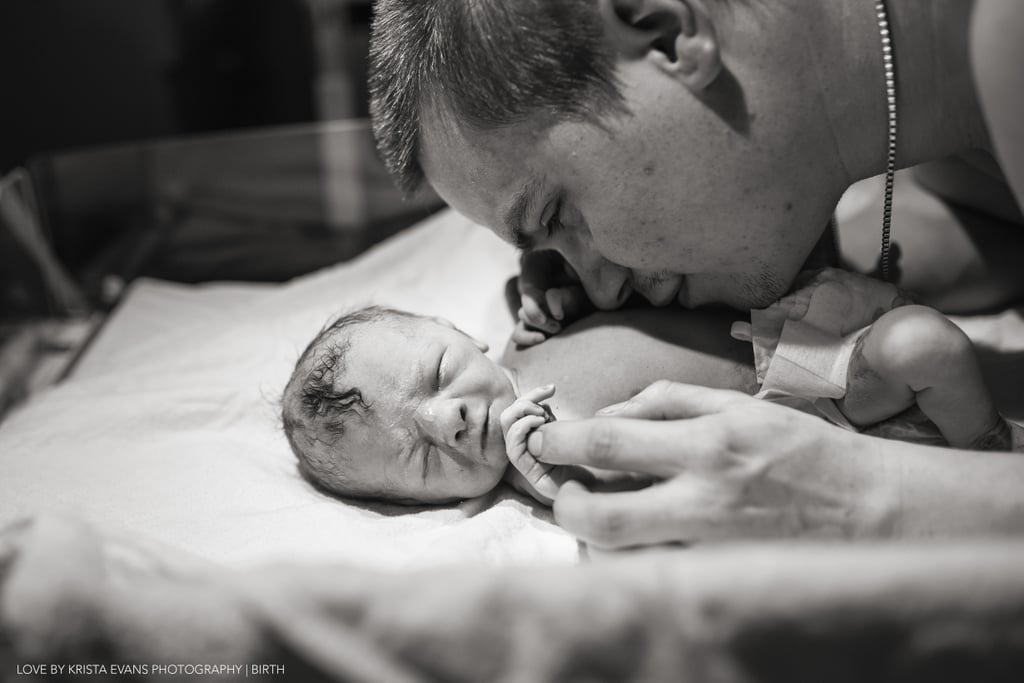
x,y
515,217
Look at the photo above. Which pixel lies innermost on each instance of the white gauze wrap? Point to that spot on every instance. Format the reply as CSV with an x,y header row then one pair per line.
x,y
803,343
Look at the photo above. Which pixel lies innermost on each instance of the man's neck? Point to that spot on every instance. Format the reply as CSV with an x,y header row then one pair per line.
x,y
937,107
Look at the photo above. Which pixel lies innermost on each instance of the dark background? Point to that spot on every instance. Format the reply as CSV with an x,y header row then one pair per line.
x,y
90,88
90,72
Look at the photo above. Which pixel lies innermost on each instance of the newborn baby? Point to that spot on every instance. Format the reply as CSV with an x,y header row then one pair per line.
x,y
393,406
389,405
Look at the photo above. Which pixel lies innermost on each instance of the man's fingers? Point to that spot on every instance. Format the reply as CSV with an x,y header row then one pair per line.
x,y
665,400
617,520
688,509
663,449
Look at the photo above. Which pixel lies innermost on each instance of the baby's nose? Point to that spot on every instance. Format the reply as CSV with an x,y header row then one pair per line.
x,y
444,419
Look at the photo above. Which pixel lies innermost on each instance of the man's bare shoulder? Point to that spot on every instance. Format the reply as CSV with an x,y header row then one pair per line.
x,y
997,53
973,180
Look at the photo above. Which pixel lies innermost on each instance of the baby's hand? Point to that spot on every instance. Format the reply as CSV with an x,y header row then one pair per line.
x,y
550,296
517,422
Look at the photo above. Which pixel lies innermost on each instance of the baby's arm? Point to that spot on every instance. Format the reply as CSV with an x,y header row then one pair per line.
x,y
915,354
528,475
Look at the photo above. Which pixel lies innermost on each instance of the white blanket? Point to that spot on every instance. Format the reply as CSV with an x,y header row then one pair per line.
x,y
170,426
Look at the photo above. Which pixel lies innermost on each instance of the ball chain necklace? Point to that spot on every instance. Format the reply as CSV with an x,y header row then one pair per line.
x,y
890,162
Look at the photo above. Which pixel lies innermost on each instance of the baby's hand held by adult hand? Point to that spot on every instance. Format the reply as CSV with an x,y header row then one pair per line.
x,y
518,421
730,466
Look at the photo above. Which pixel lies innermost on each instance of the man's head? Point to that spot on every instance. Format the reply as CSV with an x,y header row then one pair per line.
x,y
390,405
680,148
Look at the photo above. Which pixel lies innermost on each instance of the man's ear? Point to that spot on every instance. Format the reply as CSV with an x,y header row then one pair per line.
x,y
678,36
450,325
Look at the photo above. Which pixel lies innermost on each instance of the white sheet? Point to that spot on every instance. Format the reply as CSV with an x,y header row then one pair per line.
x,y
153,309
169,426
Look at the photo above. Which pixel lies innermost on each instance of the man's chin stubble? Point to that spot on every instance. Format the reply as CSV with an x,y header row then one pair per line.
x,y
738,291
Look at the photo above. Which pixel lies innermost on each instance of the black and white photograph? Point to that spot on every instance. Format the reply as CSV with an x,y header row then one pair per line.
x,y
513,341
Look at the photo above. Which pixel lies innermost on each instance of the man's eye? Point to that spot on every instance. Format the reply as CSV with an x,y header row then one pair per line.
x,y
554,223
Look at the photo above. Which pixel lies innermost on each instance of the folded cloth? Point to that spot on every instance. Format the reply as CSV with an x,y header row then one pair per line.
x,y
804,342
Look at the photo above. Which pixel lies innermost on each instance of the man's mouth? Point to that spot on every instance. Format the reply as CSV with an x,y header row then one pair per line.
x,y
683,296
660,290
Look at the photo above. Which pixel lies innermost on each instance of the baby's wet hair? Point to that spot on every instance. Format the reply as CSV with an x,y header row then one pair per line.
x,y
315,409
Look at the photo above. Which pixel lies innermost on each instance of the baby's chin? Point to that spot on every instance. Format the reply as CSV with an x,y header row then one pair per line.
x,y
497,456
487,482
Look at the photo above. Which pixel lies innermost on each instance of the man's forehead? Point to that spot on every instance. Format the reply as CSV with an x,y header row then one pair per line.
x,y
479,174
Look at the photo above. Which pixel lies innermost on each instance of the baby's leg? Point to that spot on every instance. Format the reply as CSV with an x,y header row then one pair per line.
x,y
914,353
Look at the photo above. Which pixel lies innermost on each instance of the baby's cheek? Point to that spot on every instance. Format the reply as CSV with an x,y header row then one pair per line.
x,y
399,435
400,442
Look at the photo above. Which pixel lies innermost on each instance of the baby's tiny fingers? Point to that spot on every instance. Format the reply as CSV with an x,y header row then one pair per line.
x,y
515,443
522,428
531,313
522,336
538,394
554,301
545,325
519,409
525,406
575,303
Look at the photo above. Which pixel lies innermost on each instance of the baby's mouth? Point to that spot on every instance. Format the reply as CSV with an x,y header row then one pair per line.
x,y
485,427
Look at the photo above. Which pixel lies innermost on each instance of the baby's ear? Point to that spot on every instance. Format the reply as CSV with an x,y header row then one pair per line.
x,y
450,325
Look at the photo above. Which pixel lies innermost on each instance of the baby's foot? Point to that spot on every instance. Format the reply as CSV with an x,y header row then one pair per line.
x,y
1016,437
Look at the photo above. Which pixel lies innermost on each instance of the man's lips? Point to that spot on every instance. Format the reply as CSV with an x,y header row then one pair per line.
x,y
684,297
663,291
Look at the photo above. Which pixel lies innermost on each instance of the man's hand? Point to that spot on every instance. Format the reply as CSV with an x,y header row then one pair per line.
x,y
550,296
730,467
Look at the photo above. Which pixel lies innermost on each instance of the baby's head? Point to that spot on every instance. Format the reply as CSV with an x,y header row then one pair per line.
x,y
394,406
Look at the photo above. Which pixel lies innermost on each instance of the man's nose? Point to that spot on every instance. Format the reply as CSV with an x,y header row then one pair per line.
x,y
606,283
443,419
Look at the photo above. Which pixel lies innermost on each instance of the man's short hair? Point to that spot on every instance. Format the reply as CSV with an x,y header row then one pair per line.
x,y
491,63
315,407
